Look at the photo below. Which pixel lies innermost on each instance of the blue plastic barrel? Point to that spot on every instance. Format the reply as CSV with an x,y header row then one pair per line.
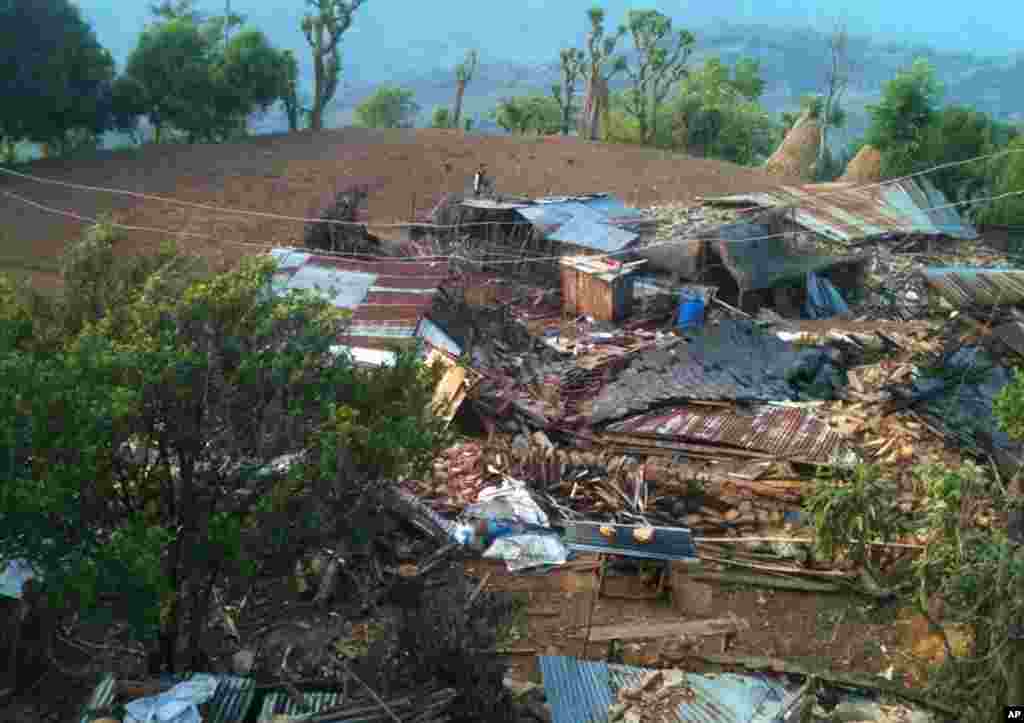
x,y
691,311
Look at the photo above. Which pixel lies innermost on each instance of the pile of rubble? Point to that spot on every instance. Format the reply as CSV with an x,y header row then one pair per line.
x,y
655,699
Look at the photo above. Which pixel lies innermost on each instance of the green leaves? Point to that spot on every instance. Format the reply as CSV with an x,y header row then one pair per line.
x,y
390,106
183,74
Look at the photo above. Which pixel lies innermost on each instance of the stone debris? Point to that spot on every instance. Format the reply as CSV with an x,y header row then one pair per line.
x,y
654,699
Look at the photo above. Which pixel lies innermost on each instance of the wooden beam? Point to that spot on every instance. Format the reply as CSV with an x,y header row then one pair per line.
x,y
648,631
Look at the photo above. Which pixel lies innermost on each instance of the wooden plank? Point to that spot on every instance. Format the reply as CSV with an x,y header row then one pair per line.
x,y
648,631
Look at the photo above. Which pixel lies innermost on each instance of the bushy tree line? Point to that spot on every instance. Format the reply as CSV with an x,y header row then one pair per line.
x,y
196,76
141,413
913,132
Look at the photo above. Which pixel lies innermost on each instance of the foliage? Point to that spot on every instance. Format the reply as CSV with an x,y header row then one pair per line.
x,y
1008,177
185,74
323,27
977,573
441,118
464,73
661,63
170,398
901,119
571,68
293,108
56,76
851,510
529,114
601,66
390,106
716,114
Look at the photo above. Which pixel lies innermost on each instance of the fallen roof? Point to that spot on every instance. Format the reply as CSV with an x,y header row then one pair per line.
x,y
848,211
231,700
966,286
766,431
599,222
730,361
389,298
759,259
580,691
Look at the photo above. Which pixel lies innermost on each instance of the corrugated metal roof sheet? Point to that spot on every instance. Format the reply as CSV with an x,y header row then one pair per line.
x,y
848,211
581,691
230,702
776,432
388,297
280,703
966,286
600,223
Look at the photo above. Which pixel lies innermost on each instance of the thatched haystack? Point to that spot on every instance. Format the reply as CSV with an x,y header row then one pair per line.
x,y
865,167
797,155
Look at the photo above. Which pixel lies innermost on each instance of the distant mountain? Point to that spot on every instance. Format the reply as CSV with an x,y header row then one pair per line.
x,y
792,61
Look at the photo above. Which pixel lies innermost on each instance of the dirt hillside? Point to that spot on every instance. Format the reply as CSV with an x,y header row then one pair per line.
x,y
286,174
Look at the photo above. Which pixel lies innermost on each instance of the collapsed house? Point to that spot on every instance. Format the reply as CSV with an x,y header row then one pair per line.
x,y
772,246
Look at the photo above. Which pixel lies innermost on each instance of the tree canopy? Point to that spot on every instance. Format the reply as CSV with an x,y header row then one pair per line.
x,y
183,74
56,76
529,114
390,106
175,390
900,120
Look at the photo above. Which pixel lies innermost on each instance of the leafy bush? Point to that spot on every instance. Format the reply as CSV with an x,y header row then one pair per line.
x,y
171,399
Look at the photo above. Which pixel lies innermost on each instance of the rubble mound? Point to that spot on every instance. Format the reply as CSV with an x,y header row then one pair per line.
x,y
797,155
346,234
865,167
656,698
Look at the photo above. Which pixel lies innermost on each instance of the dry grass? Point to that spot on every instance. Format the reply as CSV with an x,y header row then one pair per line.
x,y
865,167
797,154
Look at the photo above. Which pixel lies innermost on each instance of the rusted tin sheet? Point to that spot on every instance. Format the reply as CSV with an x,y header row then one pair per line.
x,y
777,432
965,286
388,298
848,211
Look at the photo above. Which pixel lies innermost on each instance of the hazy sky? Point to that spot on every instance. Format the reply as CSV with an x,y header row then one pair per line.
x,y
399,35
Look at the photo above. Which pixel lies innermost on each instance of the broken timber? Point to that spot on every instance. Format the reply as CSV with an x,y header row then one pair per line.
x,y
849,680
648,631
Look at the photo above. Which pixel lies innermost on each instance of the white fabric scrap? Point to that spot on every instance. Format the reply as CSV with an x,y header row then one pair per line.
x,y
177,705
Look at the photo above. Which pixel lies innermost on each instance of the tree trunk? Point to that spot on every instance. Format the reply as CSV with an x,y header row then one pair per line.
x,y
460,90
316,115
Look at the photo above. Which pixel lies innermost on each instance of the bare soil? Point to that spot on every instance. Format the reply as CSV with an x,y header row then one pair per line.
x,y
406,171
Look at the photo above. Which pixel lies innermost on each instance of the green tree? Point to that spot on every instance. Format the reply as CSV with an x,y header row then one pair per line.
x,y
901,119
571,68
717,114
601,66
661,63
173,401
441,118
290,96
56,76
464,73
389,107
185,77
529,114
1008,177
324,27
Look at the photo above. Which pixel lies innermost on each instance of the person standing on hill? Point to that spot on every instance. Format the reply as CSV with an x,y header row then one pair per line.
x,y
480,182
